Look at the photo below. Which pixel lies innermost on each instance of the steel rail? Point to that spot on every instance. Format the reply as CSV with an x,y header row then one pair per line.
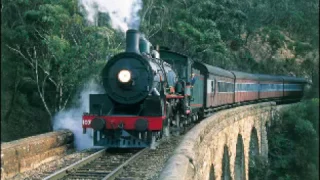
x,y
65,171
119,169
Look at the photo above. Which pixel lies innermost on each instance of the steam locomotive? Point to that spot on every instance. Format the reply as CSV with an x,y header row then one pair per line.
x,y
151,92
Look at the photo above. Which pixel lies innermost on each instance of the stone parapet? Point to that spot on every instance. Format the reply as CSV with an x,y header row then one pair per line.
x,y
29,153
202,147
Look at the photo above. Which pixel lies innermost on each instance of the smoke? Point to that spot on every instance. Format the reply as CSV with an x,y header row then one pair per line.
x,y
72,118
123,13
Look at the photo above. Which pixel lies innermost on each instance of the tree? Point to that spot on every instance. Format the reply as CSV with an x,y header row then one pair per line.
x,y
51,41
294,142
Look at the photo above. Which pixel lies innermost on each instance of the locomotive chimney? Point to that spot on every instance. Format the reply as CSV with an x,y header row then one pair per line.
x,y
132,41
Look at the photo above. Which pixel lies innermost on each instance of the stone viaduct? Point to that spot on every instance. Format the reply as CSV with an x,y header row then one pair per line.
x,y
221,146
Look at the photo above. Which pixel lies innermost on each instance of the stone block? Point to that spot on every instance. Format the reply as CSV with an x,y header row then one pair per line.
x,y
176,168
32,162
28,153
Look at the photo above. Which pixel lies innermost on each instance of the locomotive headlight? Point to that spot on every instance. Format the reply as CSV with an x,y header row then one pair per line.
x,y
124,76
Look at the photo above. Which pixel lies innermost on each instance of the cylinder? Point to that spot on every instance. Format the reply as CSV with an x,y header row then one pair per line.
x,y
132,41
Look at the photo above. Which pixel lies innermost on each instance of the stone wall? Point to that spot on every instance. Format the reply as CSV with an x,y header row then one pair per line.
x,y
202,148
28,153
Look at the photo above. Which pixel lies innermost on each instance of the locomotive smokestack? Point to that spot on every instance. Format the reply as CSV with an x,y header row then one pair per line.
x,y
132,41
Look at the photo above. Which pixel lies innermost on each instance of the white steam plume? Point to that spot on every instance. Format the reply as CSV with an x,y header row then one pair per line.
x,y
72,118
123,13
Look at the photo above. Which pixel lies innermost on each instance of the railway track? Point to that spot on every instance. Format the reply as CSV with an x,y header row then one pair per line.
x,y
105,164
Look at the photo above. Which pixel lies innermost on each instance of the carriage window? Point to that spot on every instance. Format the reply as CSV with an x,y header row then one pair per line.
x,y
293,87
225,87
212,86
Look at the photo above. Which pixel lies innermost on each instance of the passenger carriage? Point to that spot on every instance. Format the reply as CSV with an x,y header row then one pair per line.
x,y
271,87
293,87
246,87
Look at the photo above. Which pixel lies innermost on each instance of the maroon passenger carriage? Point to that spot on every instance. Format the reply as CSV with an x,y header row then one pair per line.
x,y
271,87
225,87
246,87
219,86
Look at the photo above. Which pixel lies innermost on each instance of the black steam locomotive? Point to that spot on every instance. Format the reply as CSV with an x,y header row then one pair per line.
x,y
152,91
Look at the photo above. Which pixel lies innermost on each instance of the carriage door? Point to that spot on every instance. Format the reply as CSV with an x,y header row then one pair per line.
x,y
197,89
211,86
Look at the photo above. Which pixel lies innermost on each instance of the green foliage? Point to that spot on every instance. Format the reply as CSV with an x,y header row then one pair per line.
x,y
273,36
300,48
217,32
259,170
23,121
48,52
294,142
276,39
194,31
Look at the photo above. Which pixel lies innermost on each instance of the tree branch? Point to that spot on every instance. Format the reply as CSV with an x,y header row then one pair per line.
x,y
31,63
43,83
34,64
74,40
66,101
22,55
147,10
161,22
40,34
38,87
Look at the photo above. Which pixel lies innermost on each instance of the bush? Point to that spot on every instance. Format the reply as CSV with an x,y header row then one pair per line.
x,y
300,48
276,39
